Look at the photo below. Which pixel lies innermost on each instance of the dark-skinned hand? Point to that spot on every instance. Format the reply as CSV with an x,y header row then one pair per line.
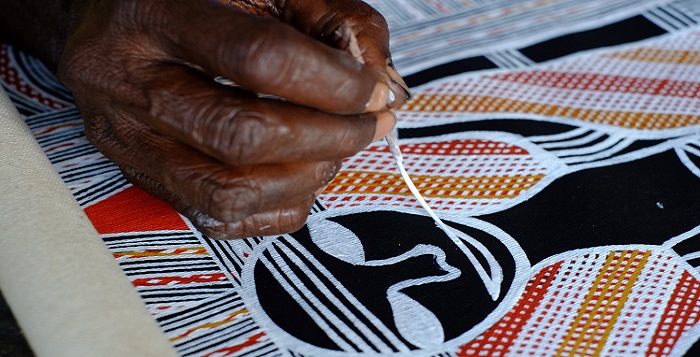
x,y
238,161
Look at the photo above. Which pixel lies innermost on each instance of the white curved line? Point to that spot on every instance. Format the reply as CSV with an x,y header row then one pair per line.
x,y
556,138
563,145
333,300
349,296
575,160
279,276
492,284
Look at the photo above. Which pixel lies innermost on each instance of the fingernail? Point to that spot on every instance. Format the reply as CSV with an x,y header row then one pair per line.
x,y
398,85
379,99
385,124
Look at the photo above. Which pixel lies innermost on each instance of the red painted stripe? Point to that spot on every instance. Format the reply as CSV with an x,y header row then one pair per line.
x,y
51,149
605,83
680,314
227,351
160,252
500,337
179,280
133,210
57,127
457,147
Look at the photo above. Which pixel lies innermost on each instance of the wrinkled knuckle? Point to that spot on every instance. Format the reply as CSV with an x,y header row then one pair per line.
x,y
353,141
97,130
95,134
169,105
255,50
259,53
234,201
242,143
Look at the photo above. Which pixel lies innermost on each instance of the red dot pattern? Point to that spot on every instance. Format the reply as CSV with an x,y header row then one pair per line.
x,y
682,312
497,341
457,147
606,83
10,77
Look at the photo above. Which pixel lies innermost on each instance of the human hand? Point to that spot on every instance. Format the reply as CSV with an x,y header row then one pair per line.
x,y
236,164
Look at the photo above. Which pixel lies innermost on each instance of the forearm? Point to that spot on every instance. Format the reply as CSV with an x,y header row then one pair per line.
x,y
39,26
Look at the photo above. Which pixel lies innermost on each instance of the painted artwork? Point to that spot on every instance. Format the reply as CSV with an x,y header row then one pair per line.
x,y
558,139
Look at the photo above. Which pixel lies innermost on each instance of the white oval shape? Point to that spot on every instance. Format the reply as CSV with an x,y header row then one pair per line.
x,y
337,241
418,325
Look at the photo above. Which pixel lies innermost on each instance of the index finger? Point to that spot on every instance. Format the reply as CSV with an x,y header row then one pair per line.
x,y
239,129
330,21
270,57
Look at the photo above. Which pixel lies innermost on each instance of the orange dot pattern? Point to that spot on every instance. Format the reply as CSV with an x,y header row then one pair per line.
x,y
659,55
456,175
484,104
433,186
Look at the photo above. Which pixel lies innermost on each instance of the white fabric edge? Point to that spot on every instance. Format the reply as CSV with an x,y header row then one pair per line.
x,y
63,285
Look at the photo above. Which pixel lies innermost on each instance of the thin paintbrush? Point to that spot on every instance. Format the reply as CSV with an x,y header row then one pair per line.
x,y
491,282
